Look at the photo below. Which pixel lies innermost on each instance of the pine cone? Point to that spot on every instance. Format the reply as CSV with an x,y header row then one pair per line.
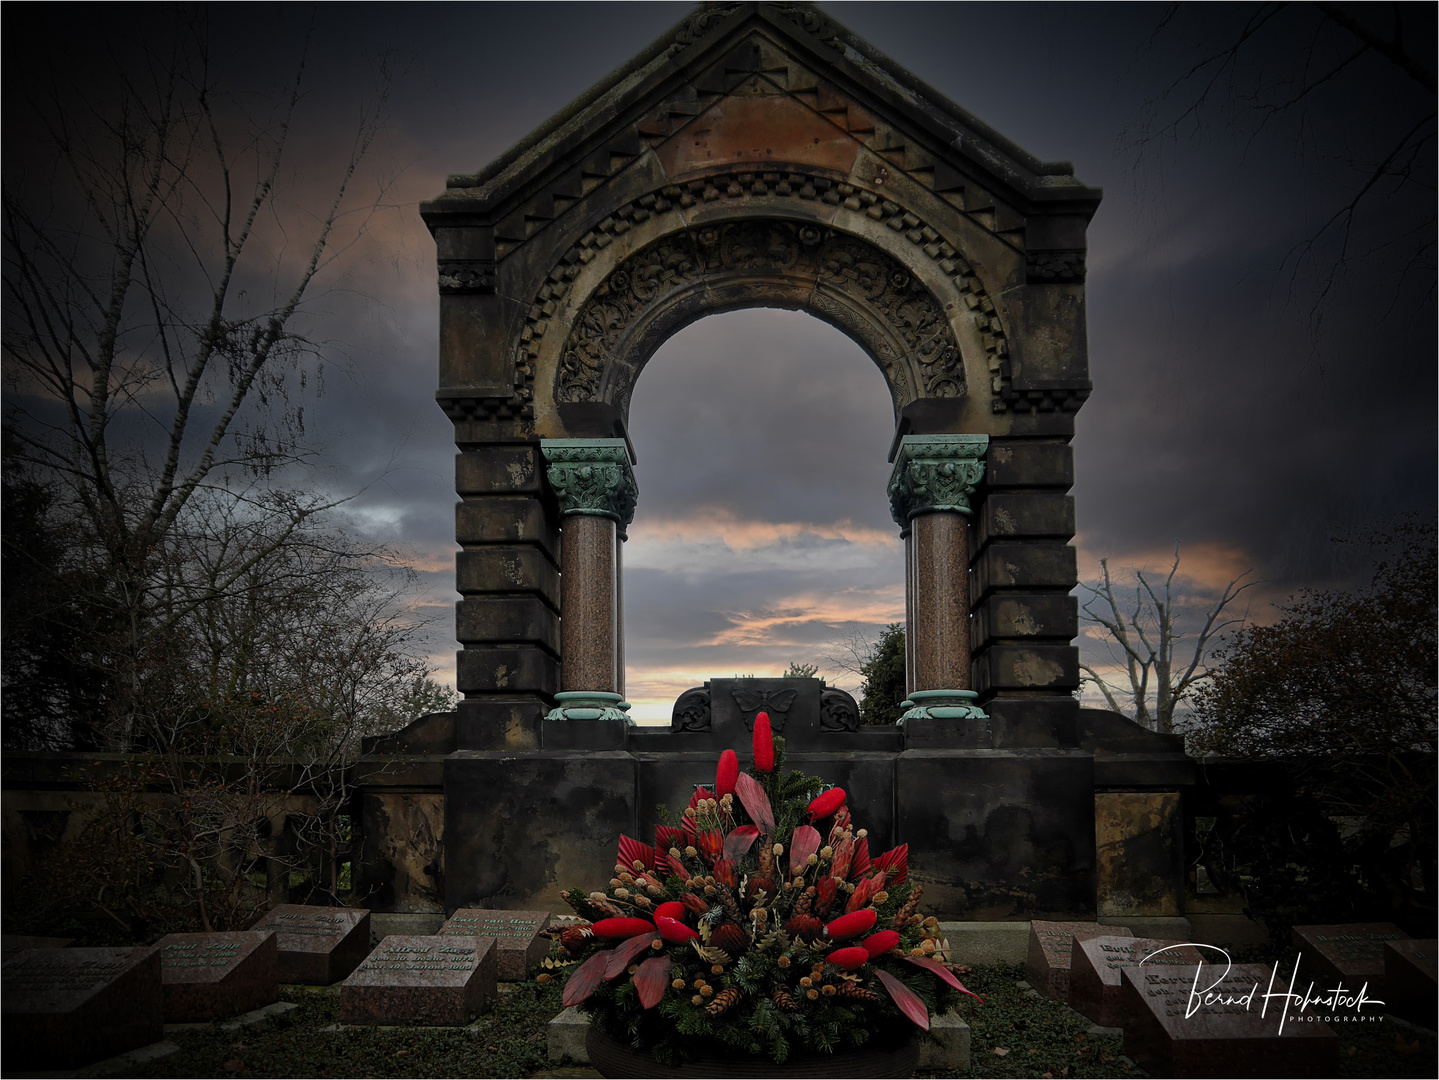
x,y
730,937
573,939
805,901
902,915
724,1001
731,905
803,926
607,909
783,1000
766,858
857,993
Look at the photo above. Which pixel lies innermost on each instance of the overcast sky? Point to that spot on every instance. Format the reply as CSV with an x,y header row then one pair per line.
x,y
1234,409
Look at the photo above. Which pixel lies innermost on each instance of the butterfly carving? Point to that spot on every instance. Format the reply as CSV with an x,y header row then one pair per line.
x,y
774,702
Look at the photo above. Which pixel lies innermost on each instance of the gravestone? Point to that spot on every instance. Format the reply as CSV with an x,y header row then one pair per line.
x,y
1167,1035
1409,980
10,944
68,1007
1095,965
1049,944
517,937
318,945
207,976
410,979
1351,953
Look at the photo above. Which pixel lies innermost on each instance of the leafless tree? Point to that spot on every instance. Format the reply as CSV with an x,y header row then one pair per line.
x,y
1146,635
1259,66
155,277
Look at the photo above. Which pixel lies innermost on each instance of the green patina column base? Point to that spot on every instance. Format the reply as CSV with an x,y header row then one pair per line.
x,y
942,705
590,705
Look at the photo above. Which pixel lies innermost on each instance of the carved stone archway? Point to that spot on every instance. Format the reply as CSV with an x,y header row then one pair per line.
x,y
762,155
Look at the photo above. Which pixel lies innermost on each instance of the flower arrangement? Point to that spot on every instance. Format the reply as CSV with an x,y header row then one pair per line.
x,y
760,923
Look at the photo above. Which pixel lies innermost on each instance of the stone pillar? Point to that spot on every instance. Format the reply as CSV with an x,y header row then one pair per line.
x,y
594,486
929,491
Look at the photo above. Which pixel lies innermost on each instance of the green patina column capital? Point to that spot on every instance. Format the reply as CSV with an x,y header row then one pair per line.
x,y
592,477
935,473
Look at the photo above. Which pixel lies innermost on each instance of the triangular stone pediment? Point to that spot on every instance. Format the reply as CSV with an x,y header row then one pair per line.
x,y
761,85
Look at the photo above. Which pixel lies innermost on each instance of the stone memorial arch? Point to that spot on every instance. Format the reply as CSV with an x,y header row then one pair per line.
x,y
760,155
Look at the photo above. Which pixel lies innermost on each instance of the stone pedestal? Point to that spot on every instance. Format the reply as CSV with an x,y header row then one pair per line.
x,y
318,945
433,981
67,1007
1051,950
207,976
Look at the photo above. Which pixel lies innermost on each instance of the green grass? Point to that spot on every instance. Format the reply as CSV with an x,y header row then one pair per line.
x,y
1040,1038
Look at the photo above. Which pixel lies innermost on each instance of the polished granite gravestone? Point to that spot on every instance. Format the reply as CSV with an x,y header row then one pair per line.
x,y
15,943
207,976
1095,965
318,945
68,1007
1233,1034
1409,980
435,980
1351,953
517,937
1049,943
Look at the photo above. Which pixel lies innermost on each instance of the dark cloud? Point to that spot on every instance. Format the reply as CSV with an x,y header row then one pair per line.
x,y
1232,410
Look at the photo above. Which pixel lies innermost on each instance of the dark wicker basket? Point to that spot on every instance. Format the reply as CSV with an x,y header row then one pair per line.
x,y
613,1059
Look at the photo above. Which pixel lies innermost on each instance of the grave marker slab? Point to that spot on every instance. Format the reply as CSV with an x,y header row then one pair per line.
x,y
444,980
1233,1037
15,943
516,934
1409,980
1349,952
68,1007
318,945
1049,945
207,976
1095,964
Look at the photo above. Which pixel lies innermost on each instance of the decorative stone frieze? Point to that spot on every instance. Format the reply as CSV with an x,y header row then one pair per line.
x,y
467,276
592,477
935,473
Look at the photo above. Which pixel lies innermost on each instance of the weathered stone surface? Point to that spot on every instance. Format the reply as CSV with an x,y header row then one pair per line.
x,y
1139,847
521,828
1029,463
67,1007
525,619
505,520
949,1050
1037,666
499,470
207,976
498,670
1095,965
402,848
1036,564
15,943
1016,515
507,569
999,834
1349,952
1410,979
1048,962
565,1037
318,945
434,980
1236,1036
518,942
1026,617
